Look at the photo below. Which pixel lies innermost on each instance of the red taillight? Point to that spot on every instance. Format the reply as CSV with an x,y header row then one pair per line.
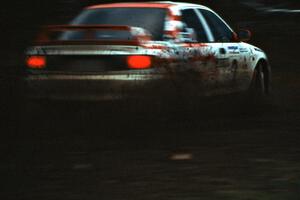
x,y
36,62
139,62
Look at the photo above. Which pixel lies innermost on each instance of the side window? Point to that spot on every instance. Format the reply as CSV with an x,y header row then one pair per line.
x,y
190,18
219,30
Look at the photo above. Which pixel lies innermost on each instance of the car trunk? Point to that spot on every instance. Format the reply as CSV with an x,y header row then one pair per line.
x,y
82,48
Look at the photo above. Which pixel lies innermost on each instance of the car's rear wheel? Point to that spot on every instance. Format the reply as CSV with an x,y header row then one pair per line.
x,y
33,107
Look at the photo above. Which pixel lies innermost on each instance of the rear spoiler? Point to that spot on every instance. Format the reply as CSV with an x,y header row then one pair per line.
x,y
139,34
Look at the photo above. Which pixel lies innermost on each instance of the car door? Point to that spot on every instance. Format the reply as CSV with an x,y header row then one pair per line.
x,y
228,51
199,55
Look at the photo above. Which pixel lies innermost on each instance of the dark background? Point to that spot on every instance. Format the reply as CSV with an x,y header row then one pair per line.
x,y
235,149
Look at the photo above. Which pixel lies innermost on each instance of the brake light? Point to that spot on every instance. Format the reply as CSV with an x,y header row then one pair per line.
x,y
36,62
139,62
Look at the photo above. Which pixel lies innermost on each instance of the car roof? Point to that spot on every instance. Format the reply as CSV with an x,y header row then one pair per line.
x,y
153,4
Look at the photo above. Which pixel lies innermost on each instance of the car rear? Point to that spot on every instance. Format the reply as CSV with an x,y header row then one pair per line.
x,y
102,54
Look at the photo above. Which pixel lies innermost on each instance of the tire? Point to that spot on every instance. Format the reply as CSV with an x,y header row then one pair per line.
x,y
33,108
259,85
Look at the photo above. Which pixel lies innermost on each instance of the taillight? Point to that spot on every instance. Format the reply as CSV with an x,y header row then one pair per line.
x,y
139,62
36,62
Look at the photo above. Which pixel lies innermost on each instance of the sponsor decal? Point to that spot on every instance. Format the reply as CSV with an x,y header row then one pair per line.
x,y
233,49
244,50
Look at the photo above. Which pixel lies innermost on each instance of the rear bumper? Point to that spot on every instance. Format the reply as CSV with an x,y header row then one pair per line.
x,y
98,86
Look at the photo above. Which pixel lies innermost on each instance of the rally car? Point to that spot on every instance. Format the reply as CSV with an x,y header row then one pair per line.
x,y
144,50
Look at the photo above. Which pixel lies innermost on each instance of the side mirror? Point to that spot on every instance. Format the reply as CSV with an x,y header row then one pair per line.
x,y
244,35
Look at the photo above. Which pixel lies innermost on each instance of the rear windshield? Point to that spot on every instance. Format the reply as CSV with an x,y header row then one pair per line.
x,y
151,19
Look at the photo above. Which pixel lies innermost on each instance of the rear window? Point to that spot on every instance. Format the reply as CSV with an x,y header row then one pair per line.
x,y
151,19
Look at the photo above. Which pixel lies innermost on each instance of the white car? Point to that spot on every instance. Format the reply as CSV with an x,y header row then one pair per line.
x,y
144,50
